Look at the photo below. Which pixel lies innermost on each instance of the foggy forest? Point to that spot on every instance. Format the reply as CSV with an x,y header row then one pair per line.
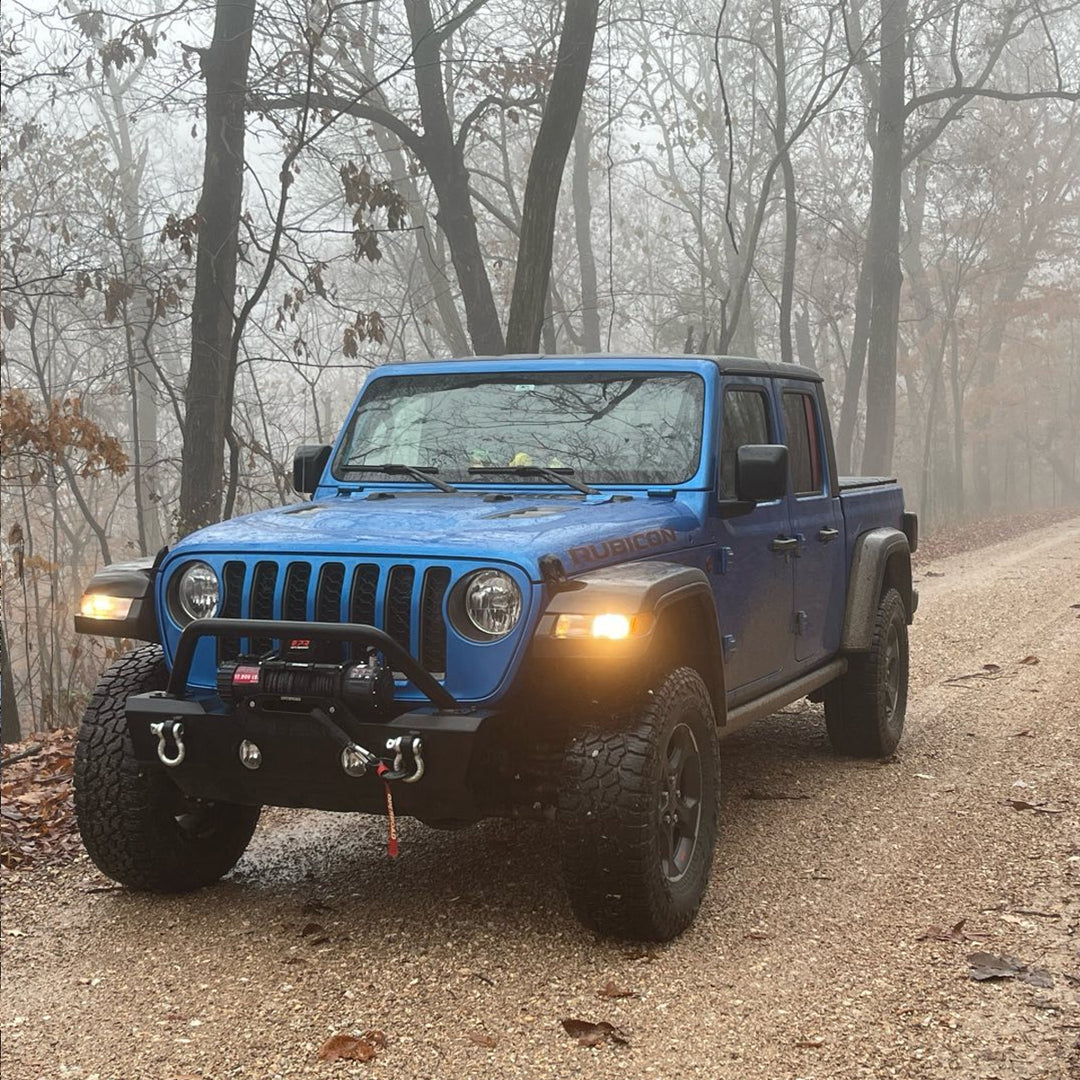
x,y
217,217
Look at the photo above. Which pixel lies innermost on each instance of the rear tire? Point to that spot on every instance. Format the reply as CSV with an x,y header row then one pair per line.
x,y
864,709
638,814
137,826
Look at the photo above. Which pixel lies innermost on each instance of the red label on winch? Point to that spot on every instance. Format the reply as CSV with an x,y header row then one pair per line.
x,y
300,643
245,675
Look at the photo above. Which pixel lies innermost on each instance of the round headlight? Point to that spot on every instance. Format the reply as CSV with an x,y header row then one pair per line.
x,y
493,602
198,591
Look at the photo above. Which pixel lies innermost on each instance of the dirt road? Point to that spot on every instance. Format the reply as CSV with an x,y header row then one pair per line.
x,y
806,961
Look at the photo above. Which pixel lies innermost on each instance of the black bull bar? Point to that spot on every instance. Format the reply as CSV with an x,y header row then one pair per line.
x,y
301,751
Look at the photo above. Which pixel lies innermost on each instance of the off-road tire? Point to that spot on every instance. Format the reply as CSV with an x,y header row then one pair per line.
x,y
617,781
135,824
864,709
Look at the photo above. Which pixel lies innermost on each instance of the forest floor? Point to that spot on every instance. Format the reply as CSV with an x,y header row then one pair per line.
x,y
846,899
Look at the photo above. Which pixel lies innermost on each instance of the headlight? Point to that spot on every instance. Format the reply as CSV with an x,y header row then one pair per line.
x,y
491,602
197,592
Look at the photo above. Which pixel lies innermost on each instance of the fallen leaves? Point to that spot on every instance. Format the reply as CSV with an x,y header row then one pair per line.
x,y
610,990
1038,808
488,1042
37,820
989,671
955,933
352,1047
984,966
589,1034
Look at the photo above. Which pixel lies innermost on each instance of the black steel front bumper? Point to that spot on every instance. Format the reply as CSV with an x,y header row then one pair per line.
x,y
301,751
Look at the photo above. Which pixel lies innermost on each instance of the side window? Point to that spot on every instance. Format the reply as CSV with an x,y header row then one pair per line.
x,y
745,421
804,450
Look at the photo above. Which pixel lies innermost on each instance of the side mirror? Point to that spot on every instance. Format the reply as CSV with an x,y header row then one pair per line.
x,y
308,466
761,473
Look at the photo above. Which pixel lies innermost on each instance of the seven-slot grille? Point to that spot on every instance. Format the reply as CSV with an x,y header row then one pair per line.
x,y
405,602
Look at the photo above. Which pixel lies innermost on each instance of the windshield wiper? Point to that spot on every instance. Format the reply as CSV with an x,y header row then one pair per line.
x,y
553,476
425,473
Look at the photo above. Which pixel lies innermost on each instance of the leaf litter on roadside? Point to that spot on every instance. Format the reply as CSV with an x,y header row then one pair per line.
x,y
611,990
37,819
481,1038
589,1034
984,966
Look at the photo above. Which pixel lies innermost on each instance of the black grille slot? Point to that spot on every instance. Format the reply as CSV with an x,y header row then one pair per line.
x,y
294,602
365,584
328,592
328,597
232,580
263,585
432,624
398,614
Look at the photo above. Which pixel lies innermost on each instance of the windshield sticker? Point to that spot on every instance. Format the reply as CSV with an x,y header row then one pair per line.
x,y
622,545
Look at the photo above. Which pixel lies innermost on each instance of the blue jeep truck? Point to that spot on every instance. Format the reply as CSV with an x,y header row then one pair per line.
x,y
523,586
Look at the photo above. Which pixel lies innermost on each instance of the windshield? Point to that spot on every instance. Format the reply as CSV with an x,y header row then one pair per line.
x,y
617,428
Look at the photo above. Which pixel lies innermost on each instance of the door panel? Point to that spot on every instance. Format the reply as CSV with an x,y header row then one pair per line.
x,y
754,585
816,519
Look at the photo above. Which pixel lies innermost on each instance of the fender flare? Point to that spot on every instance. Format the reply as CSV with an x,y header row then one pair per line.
x,y
654,588
876,552
129,580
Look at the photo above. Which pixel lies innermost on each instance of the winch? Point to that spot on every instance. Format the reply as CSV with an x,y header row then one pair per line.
x,y
366,685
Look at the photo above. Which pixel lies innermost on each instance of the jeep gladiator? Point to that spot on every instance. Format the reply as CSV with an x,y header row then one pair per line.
x,y
523,586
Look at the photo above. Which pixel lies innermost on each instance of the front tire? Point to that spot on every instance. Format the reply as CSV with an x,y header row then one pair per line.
x,y
638,813
864,709
136,825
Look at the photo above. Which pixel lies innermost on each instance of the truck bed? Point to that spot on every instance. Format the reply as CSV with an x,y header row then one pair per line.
x,y
848,483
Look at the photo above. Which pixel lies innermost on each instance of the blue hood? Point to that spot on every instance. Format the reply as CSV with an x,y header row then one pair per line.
x,y
583,532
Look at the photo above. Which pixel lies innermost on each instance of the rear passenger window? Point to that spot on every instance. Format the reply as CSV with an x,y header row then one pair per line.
x,y
745,422
804,450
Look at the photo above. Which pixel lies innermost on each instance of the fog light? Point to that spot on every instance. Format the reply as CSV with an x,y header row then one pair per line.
x,y
102,606
609,625
613,626
250,755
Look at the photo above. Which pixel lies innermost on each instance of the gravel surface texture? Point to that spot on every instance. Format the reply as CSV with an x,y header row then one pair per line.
x,y
810,958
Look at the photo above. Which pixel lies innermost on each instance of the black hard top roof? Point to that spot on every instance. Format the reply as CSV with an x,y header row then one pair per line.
x,y
728,365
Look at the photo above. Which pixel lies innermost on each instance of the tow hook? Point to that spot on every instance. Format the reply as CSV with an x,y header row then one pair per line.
x,y
399,746
356,760
164,730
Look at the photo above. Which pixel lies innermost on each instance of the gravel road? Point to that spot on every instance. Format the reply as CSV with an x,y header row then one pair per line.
x,y
805,962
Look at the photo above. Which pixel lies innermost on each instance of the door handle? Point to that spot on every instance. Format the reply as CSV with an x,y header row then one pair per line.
x,y
784,545
825,535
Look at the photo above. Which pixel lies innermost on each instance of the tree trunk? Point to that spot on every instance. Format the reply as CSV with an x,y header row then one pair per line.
x,y
444,160
10,729
546,167
884,256
985,446
853,375
791,210
138,324
804,339
590,294
212,376
958,421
